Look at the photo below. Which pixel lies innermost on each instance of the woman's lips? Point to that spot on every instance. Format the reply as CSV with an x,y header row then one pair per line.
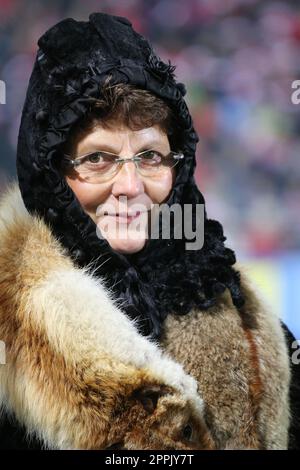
x,y
125,217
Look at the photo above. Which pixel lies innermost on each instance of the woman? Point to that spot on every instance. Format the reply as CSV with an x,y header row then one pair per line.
x,y
115,337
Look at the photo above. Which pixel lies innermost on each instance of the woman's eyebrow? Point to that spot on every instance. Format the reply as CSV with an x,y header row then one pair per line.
x,y
107,148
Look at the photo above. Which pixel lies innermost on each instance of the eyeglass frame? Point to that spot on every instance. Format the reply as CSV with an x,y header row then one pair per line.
x,y
136,158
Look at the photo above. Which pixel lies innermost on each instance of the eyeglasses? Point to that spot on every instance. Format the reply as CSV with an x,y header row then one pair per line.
x,y
100,166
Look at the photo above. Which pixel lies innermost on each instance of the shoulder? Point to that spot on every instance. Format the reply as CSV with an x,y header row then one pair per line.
x,y
258,308
28,248
13,213
224,320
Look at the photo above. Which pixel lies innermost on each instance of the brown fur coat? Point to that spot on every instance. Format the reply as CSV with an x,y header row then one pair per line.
x,y
78,375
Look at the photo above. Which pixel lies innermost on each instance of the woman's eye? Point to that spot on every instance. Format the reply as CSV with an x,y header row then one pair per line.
x,y
152,157
95,158
151,154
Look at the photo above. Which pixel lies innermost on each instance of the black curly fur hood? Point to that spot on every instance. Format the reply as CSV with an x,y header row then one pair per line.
x,y
72,63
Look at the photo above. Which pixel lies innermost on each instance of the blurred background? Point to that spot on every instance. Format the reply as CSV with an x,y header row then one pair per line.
x,y
238,59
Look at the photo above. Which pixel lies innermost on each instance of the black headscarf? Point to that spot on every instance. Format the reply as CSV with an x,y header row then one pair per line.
x,y
73,61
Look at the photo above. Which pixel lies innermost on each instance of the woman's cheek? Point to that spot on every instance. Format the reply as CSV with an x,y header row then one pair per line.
x,y
159,190
89,195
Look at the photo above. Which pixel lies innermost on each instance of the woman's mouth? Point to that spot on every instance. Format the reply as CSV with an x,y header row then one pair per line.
x,y
123,217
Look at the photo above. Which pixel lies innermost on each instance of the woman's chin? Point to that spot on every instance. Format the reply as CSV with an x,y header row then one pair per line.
x,y
128,246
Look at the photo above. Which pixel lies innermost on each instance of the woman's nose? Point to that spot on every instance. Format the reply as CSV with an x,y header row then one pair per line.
x,y
128,181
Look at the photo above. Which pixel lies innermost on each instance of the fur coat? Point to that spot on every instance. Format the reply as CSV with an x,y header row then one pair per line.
x,y
78,375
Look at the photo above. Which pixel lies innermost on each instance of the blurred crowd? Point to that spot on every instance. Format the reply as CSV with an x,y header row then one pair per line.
x,y
238,59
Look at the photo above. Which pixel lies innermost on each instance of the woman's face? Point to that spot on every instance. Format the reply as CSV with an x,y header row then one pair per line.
x,y
121,206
